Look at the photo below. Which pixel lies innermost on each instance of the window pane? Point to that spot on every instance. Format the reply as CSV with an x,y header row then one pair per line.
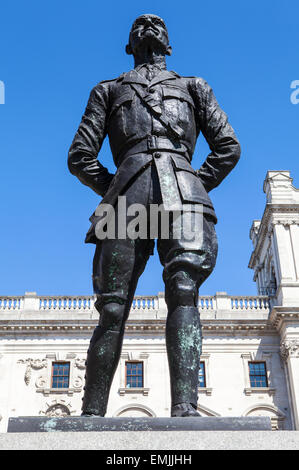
x,y
202,375
258,374
60,374
134,374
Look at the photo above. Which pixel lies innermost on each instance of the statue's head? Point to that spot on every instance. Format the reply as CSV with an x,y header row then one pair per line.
x,y
148,31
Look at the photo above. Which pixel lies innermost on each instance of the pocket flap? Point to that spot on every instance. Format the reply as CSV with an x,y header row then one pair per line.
x,y
179,94
182,163
125,98
192,189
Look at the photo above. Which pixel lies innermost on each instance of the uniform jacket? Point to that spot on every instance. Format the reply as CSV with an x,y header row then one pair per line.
x,y
157,120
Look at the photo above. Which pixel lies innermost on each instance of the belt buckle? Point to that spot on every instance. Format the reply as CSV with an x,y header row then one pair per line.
x,y
151,142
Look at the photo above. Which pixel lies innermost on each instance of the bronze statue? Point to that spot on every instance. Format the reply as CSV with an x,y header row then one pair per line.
x,y
152,117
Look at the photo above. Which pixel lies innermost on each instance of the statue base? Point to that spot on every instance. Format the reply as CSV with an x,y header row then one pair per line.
x,y
99,424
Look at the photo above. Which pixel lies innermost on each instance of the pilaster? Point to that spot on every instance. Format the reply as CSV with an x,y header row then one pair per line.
x,y
285,320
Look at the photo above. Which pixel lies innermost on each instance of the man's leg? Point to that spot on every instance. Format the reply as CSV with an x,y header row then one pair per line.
x,y
184,271
117,267
116,271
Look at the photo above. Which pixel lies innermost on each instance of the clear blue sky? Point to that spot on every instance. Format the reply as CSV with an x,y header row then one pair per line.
x,y
54,52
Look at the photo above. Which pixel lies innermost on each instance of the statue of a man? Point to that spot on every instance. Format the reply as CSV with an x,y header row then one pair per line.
x,y
152,118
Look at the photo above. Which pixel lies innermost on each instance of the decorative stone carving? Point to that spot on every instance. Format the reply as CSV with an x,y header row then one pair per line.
x,y
41,382
285,222
58,408
289,348
80,363
32,364
27,375
57,411
78,382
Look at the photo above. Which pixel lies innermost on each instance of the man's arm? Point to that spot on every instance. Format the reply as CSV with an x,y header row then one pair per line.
x,y
213,123
82,157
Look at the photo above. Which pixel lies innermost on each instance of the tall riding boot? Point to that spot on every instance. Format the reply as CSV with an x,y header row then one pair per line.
x,y
102,360
183,342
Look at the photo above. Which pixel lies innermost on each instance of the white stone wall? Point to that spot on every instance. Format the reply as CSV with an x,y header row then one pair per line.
x,y
25,367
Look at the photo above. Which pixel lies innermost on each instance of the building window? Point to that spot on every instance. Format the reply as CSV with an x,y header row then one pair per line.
x,y
202,375
60,375
258,374
134,374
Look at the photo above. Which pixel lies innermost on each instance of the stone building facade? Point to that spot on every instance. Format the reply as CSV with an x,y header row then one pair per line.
x,y
250,357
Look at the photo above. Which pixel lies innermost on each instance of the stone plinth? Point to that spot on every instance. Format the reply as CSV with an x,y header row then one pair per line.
x,y
98,424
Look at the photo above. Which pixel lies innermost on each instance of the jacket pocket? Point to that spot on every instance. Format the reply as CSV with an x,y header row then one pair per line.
x,y
191,188
178,94
120,101
181,163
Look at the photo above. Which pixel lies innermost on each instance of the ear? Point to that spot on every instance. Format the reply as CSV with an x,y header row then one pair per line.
x,y
168,50
129,49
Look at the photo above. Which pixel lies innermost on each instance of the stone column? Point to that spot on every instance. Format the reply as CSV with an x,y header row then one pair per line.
x,y
289,350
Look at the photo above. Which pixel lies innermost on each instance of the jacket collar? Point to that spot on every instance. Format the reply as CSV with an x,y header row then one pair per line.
x,y
134,77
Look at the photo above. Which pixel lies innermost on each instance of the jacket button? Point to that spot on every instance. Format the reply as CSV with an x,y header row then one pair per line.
x,y
157,155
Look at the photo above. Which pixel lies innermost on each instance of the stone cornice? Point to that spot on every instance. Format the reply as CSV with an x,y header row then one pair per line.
x,y
266,225
280,315
143,327
238,326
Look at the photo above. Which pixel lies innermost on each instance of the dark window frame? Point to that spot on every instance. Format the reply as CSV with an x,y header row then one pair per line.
x,y
203,375
258,378
65,383
128,383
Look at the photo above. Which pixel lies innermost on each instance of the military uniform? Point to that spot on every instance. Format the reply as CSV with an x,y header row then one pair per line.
x,y
152,126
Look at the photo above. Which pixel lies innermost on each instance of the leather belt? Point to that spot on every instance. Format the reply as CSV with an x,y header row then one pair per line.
x,y
152,143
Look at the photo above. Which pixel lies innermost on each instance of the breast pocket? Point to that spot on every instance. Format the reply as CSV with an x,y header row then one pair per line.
x,y
120,113
178,106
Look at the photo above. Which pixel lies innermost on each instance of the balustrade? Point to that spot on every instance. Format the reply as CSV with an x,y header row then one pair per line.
x,y
250,303
140,303
66,303
11,303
